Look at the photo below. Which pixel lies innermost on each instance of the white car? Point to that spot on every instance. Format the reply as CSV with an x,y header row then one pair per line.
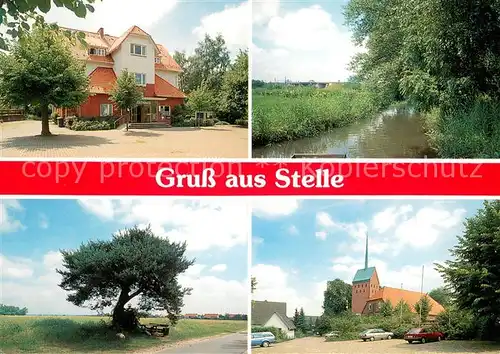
x,y
375,334
332,335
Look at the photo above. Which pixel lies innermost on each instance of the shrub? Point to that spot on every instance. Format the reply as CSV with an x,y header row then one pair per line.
x,y
32,117
456,324
242,122
209,122
81,125
54,117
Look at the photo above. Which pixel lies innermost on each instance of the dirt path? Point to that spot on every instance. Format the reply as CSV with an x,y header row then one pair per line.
x,y
20,139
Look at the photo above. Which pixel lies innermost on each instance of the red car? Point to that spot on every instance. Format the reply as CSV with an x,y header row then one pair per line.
x,y
422,335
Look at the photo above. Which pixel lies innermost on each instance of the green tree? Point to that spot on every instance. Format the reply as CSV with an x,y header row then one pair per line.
x,y
126,94
182,59
296,318
17,14
442,295
302,323
41,71
337,297
474,272
323,326
423,307
135,263
234,95
202,99
12,310
386,308
402,310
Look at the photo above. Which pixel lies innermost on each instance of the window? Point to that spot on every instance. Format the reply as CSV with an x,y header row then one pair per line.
x,y
106,110
157,60
136,49
140,79
369,307
164,110
97,51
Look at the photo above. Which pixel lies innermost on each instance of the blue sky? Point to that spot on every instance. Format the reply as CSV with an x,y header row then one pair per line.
x,y
300,244
177,24
319,49
33,231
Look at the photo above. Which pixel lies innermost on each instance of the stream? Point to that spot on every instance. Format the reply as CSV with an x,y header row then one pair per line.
x,y
391,134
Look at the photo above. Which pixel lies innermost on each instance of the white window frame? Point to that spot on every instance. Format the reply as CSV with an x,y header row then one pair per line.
x,y
157,60
106,106
133,46
142,79
161,110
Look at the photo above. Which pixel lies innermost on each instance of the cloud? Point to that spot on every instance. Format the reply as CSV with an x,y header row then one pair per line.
x,y
321,235
7,222
15,268
43,221
233,23
219,268
384,220
292,230
327,226
220,224
273,284
115,23
271,208
303,44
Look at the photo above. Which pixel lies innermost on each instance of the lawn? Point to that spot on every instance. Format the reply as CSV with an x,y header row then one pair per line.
x,y
85,334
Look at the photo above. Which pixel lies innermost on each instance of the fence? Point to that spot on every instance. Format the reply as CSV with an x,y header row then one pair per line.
x,y
11,115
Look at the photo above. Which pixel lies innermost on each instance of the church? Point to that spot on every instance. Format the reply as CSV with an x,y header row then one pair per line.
x,y
368,294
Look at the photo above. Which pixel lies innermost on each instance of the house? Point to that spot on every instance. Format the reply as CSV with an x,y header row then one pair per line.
x,y
368,294
211,316
106,57
191,315
272,314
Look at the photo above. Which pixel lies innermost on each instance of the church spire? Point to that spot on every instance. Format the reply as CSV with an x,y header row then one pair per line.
x,y
366,252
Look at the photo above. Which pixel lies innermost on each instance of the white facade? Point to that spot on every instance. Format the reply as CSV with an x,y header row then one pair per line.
x,y
171,77
141,64
275,321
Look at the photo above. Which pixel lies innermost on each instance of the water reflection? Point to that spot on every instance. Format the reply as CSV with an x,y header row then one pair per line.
x,y
393,134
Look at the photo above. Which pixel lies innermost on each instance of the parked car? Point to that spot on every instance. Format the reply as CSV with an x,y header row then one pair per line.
x,y
375,334
332,334
422,335
262,339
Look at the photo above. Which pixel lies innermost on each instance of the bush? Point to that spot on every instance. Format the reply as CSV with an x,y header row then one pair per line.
x,y
32,117
81,125
209,122
457,324
54,117
242,122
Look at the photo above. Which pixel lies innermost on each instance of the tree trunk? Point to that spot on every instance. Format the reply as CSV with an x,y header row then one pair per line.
x,y
45,119
119,310
128,117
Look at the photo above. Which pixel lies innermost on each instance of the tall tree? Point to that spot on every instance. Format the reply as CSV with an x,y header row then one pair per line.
x,y
296,318
423,307
302,324
234,95
337,297
474,273
135,263
126,94
41,71
17,14
402,310
442,295
182,59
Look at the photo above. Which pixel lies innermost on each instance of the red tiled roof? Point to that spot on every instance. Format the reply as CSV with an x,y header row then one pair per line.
x,y
162,88
102,80
394,295
111,43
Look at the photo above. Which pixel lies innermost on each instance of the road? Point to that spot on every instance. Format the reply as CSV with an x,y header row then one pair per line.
x,y
393,346
230,344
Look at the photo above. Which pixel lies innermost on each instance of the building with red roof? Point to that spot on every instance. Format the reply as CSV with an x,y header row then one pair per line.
x,y
368,294
155,70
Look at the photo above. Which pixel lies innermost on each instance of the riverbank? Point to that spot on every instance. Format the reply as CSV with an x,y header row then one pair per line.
x,y
291,113
466,132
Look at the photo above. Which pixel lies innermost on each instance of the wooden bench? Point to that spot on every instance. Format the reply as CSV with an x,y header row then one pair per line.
x,y
319,156
155,328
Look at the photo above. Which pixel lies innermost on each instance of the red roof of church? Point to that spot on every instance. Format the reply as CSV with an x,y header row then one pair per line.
x,y
394,295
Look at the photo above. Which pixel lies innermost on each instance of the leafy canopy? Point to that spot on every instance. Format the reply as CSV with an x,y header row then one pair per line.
x,y
134,263
126,94
337,297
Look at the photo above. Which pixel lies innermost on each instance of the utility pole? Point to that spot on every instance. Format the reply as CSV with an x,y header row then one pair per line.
x,y
422,294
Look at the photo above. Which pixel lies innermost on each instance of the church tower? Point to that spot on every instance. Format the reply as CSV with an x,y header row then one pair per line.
x,y
364,285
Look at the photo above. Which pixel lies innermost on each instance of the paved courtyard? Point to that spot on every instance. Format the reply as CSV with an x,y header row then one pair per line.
x,y
393,346
22,139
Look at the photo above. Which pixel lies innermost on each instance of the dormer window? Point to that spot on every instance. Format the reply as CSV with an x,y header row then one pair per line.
x,y
140,79
97,51
137,49
157,60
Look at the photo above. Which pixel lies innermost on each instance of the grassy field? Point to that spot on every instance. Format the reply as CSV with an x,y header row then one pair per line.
x,y
85,334
288,113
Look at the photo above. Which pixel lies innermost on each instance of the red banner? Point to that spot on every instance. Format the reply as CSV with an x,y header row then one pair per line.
x,y
258,178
